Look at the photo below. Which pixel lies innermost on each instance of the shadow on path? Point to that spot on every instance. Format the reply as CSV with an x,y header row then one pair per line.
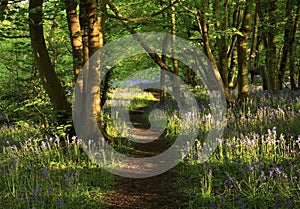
x,y
158,192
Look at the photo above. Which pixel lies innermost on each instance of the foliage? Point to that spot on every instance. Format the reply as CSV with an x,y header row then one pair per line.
x,y
44,174
255,166
256,163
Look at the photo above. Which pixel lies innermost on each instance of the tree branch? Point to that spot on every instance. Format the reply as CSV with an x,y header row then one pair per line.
x,y
128,19
155,57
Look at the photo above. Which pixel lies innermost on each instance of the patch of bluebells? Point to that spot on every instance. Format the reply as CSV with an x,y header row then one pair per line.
x,y
255,166
255,154
60,203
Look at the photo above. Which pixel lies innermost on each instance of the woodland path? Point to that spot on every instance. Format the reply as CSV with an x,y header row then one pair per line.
x,y
158,192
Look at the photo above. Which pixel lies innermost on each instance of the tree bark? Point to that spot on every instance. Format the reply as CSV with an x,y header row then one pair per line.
x,y
174,60
254,39
3,5
243,86
47,73
233,49
83,20
75,35
288,43
271,47
292,54
203,29
163,86
92,26
221,24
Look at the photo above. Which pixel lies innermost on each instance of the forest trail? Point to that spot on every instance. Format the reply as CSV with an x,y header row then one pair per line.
x,y
158,192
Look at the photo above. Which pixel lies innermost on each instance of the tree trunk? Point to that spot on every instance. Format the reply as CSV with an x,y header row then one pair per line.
x,y
271,47
47,73
203,29
75,35
232,54
221,12
243,87
288,43
292,55
232,69
3,6
176,88
254,39
93,24
163,86
83,19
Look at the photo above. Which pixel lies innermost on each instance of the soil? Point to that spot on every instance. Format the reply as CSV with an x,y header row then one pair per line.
x,y
158,192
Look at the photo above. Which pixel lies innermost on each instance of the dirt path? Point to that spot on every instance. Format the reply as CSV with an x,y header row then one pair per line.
x,y
158,192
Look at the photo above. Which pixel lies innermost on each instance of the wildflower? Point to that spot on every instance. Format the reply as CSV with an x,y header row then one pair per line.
x,y
262,179
35,191
59,203
220,140
50,190
45,172
212,205
250,168
298,140
228,181
256,165
278,170
43,146
15,161
277,204
240,203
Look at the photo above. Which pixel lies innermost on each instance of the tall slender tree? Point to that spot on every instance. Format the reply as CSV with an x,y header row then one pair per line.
x,y
271,52
242,46
76,36
48,76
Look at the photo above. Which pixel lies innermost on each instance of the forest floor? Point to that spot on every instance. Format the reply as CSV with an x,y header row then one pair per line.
x,y
157,192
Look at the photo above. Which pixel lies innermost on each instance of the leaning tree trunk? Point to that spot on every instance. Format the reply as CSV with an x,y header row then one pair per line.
x,y
243,86
48,76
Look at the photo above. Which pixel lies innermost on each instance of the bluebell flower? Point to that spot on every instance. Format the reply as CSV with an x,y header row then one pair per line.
x,y
277,205
35,191
45,172
228,181
59,203
250,168
240,203
212,205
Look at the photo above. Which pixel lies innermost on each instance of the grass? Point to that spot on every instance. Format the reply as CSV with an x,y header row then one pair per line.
x,y
44,174
256,163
